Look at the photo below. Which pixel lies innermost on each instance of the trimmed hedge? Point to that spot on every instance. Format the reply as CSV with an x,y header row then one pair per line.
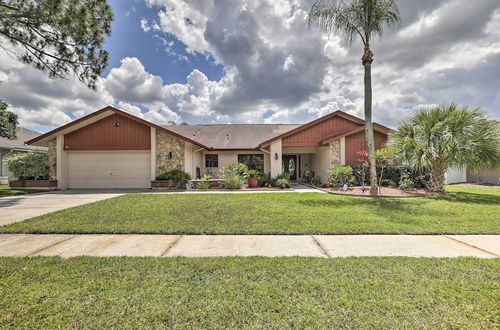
x,y
393,175
180,178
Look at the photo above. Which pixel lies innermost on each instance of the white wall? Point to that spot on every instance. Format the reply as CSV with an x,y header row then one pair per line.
x,y
455,175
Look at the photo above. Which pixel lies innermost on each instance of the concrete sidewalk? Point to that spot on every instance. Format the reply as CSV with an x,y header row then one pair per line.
x,y
329,246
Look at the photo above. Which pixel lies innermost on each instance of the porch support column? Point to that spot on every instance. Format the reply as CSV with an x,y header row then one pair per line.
x,y
342,151
275,149
61,164
153,153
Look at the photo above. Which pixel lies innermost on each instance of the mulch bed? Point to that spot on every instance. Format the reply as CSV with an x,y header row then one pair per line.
x,y
383,192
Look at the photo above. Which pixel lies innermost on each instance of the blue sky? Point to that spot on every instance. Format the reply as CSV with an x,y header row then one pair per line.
x,y
130,40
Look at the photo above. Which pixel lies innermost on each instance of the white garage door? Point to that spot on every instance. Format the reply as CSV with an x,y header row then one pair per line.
x,y
109,169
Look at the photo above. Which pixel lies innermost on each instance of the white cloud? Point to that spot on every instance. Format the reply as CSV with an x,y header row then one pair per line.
x,y
273,61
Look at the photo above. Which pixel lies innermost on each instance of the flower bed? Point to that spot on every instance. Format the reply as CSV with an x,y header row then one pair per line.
x,y
34,184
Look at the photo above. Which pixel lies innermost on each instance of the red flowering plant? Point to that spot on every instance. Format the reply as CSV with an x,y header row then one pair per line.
x,y
365,164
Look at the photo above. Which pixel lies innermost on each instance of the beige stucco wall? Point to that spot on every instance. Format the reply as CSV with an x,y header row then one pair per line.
x,y
321,162
166,143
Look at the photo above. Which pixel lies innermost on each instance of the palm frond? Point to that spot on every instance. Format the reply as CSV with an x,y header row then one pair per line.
x,y
354,18
449,136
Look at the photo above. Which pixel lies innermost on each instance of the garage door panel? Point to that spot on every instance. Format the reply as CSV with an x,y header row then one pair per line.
x,y
109,169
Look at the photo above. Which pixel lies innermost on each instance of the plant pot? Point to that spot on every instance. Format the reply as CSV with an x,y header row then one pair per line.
x,y
252,182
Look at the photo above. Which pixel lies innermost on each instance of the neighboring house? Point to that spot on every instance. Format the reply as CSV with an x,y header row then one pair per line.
x,y
489,177
9,148
114,149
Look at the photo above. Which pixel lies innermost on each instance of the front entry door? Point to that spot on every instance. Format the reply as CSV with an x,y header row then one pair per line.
x,y
290,166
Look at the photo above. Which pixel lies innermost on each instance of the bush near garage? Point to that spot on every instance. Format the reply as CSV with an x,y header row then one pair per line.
x,y
29,166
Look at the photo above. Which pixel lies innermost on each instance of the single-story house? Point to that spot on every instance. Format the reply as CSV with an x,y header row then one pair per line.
x,y
111,148
9,148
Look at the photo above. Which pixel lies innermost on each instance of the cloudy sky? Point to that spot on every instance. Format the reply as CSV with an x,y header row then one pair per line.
x,y
255,61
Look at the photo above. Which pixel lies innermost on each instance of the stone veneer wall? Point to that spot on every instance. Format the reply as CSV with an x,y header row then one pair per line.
x,y
166,143
52,158
335,152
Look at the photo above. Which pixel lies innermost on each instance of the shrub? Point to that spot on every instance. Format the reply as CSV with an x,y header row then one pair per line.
x,y
316,181
180,178
265,180
283,183
232,181
406,184
29,166
339,175
235,169
393,175
283,176
204,183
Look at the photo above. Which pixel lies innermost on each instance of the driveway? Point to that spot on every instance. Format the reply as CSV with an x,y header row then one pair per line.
x,y
19,208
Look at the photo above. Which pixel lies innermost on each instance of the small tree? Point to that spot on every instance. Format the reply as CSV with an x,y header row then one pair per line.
x,y
384,157
363,20
29,166
8,122
448,136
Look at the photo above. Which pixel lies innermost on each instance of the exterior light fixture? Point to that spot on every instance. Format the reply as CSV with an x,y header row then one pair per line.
x,y
276,156
170,155
116,123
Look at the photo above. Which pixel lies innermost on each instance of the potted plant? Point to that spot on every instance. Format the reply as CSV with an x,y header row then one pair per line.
x,y
252,177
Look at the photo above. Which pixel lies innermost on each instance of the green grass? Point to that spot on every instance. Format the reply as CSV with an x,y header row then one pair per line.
x,y
463,210
249,292
7,191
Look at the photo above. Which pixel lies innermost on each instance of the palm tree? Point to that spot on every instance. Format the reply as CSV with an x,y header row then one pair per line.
x,y
354,19
448,136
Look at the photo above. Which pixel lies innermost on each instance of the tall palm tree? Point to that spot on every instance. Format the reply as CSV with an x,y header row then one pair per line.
x,y
448,136
363,19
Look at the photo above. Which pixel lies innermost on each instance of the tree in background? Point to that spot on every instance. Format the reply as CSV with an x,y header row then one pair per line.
x,y
363,19
448,136
8,122
61,37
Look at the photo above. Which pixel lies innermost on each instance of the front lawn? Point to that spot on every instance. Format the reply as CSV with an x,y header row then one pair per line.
x,y
252,292
463,210
8,191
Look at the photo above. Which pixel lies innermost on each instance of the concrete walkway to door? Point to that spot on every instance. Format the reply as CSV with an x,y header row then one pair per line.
x,y
326,246
19,208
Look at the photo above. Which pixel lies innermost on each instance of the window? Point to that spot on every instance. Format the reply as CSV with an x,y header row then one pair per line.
x,y
211,160
253,161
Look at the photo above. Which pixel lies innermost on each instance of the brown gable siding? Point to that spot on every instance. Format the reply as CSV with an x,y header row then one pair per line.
x,y
312,135
105,135
356,142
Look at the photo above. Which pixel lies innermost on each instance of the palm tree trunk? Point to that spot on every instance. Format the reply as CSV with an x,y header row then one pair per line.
x,y
367,63
436,181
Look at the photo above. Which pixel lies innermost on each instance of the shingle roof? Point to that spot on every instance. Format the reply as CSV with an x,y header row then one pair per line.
x,y
23,135
231,136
